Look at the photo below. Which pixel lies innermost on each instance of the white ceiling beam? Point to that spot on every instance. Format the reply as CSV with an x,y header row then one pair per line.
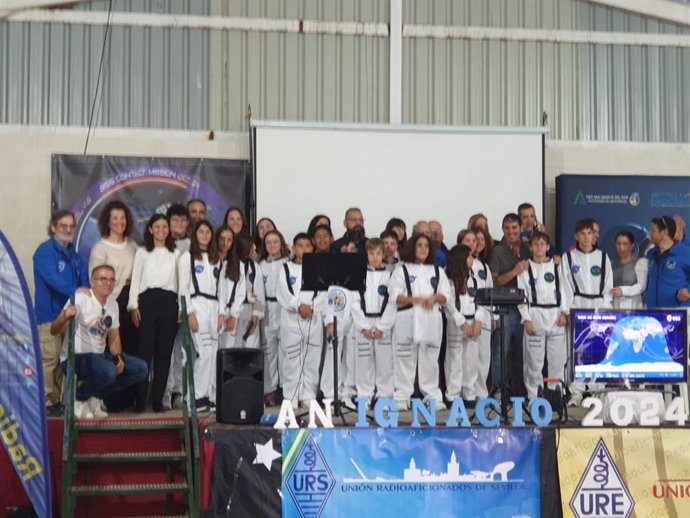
x,y
351,28
660,9
175,21
8,7
546,35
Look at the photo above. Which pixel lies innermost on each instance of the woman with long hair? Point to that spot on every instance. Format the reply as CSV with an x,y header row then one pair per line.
x,y
479,220
263,226
153,306
419,288
398,226
629,273
464,328
199,273
317,221
237,221
117,249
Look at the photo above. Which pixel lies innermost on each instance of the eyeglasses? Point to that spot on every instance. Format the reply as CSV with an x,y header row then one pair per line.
x,y
65,226
106,280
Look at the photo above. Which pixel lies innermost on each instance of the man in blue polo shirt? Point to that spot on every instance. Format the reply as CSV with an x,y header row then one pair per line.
x,y
58,272
669,267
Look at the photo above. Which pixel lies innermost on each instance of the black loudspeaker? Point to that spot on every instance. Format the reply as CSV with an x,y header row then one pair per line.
x,y
239,386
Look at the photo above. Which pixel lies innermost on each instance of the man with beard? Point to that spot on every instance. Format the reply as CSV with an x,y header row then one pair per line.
x,y
354,230
58,272
197,212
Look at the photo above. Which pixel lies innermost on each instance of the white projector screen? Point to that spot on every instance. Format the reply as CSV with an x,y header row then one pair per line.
x,y
414,173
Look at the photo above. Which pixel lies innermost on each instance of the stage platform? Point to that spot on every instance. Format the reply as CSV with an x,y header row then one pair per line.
x,y
241,465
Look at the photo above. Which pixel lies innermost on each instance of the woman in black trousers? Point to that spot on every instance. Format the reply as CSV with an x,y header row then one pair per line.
x,y
153,306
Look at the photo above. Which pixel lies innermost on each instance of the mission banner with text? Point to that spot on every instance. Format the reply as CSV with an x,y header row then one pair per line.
x,y
84,184
411,472
626,202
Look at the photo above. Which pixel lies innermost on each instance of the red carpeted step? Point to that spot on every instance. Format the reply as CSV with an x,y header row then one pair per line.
x,y
138,456
130,489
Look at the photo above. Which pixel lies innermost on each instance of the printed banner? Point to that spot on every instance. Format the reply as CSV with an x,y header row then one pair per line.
x,y
403,472
23,427
246,473
84,184
638,472
617,203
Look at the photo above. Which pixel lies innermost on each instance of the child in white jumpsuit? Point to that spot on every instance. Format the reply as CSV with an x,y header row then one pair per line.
x,y
274,255
543,317
587,284
247,335
301,328
373,314
231,295
199,273
420,289
463,329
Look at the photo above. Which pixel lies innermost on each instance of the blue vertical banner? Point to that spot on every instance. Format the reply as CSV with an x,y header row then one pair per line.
x,y
618,203
23,427
444,473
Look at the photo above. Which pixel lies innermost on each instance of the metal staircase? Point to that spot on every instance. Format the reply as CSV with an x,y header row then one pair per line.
x,y
178,456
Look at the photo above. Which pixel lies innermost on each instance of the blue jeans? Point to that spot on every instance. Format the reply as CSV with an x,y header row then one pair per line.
x,y
512,352
99,377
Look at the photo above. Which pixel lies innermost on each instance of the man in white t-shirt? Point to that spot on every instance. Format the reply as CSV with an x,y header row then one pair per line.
x,y
101,372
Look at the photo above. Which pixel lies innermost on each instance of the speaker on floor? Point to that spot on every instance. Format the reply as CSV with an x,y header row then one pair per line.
x,y
239,386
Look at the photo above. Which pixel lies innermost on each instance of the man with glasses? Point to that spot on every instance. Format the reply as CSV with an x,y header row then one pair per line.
x,y
354,230
669,267
58,272
101,373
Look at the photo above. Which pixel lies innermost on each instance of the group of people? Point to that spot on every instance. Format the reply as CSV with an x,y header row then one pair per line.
x,y
414,330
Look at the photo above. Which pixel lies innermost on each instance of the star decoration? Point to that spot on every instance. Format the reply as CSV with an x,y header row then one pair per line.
x,y
265,454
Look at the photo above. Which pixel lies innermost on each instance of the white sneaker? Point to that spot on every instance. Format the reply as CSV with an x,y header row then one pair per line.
x,y
440,405
167,400
575,400
402,405
95,405
81,410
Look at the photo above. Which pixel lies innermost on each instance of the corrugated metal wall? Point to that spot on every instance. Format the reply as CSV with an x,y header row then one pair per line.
x,y
590,92
198,80
303,77
153,78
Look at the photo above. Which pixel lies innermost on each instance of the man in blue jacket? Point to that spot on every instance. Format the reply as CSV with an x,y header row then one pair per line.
x,y
669,267
58,272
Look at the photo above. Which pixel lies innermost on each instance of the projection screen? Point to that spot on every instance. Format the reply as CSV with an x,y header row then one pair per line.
x,y
411,172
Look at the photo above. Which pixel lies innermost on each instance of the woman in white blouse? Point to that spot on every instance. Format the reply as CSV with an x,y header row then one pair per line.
x,y
115,249
153,306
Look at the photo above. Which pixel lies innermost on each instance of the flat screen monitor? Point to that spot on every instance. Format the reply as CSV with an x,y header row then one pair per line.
x,y
639,346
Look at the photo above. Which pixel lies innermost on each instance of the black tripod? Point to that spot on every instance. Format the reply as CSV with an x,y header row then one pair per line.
x,y
335,274
501,300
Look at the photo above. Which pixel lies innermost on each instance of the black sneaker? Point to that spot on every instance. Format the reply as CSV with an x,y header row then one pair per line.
x,y
176,400
56,410
202,405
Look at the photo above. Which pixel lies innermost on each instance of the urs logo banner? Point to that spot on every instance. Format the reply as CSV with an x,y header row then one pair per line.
x,y
397,472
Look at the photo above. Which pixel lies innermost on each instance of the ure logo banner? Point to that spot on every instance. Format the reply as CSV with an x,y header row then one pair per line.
x,y
411,472
634,472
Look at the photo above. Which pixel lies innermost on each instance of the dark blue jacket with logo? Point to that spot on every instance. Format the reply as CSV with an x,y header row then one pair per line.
x,y
58,272
668,272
